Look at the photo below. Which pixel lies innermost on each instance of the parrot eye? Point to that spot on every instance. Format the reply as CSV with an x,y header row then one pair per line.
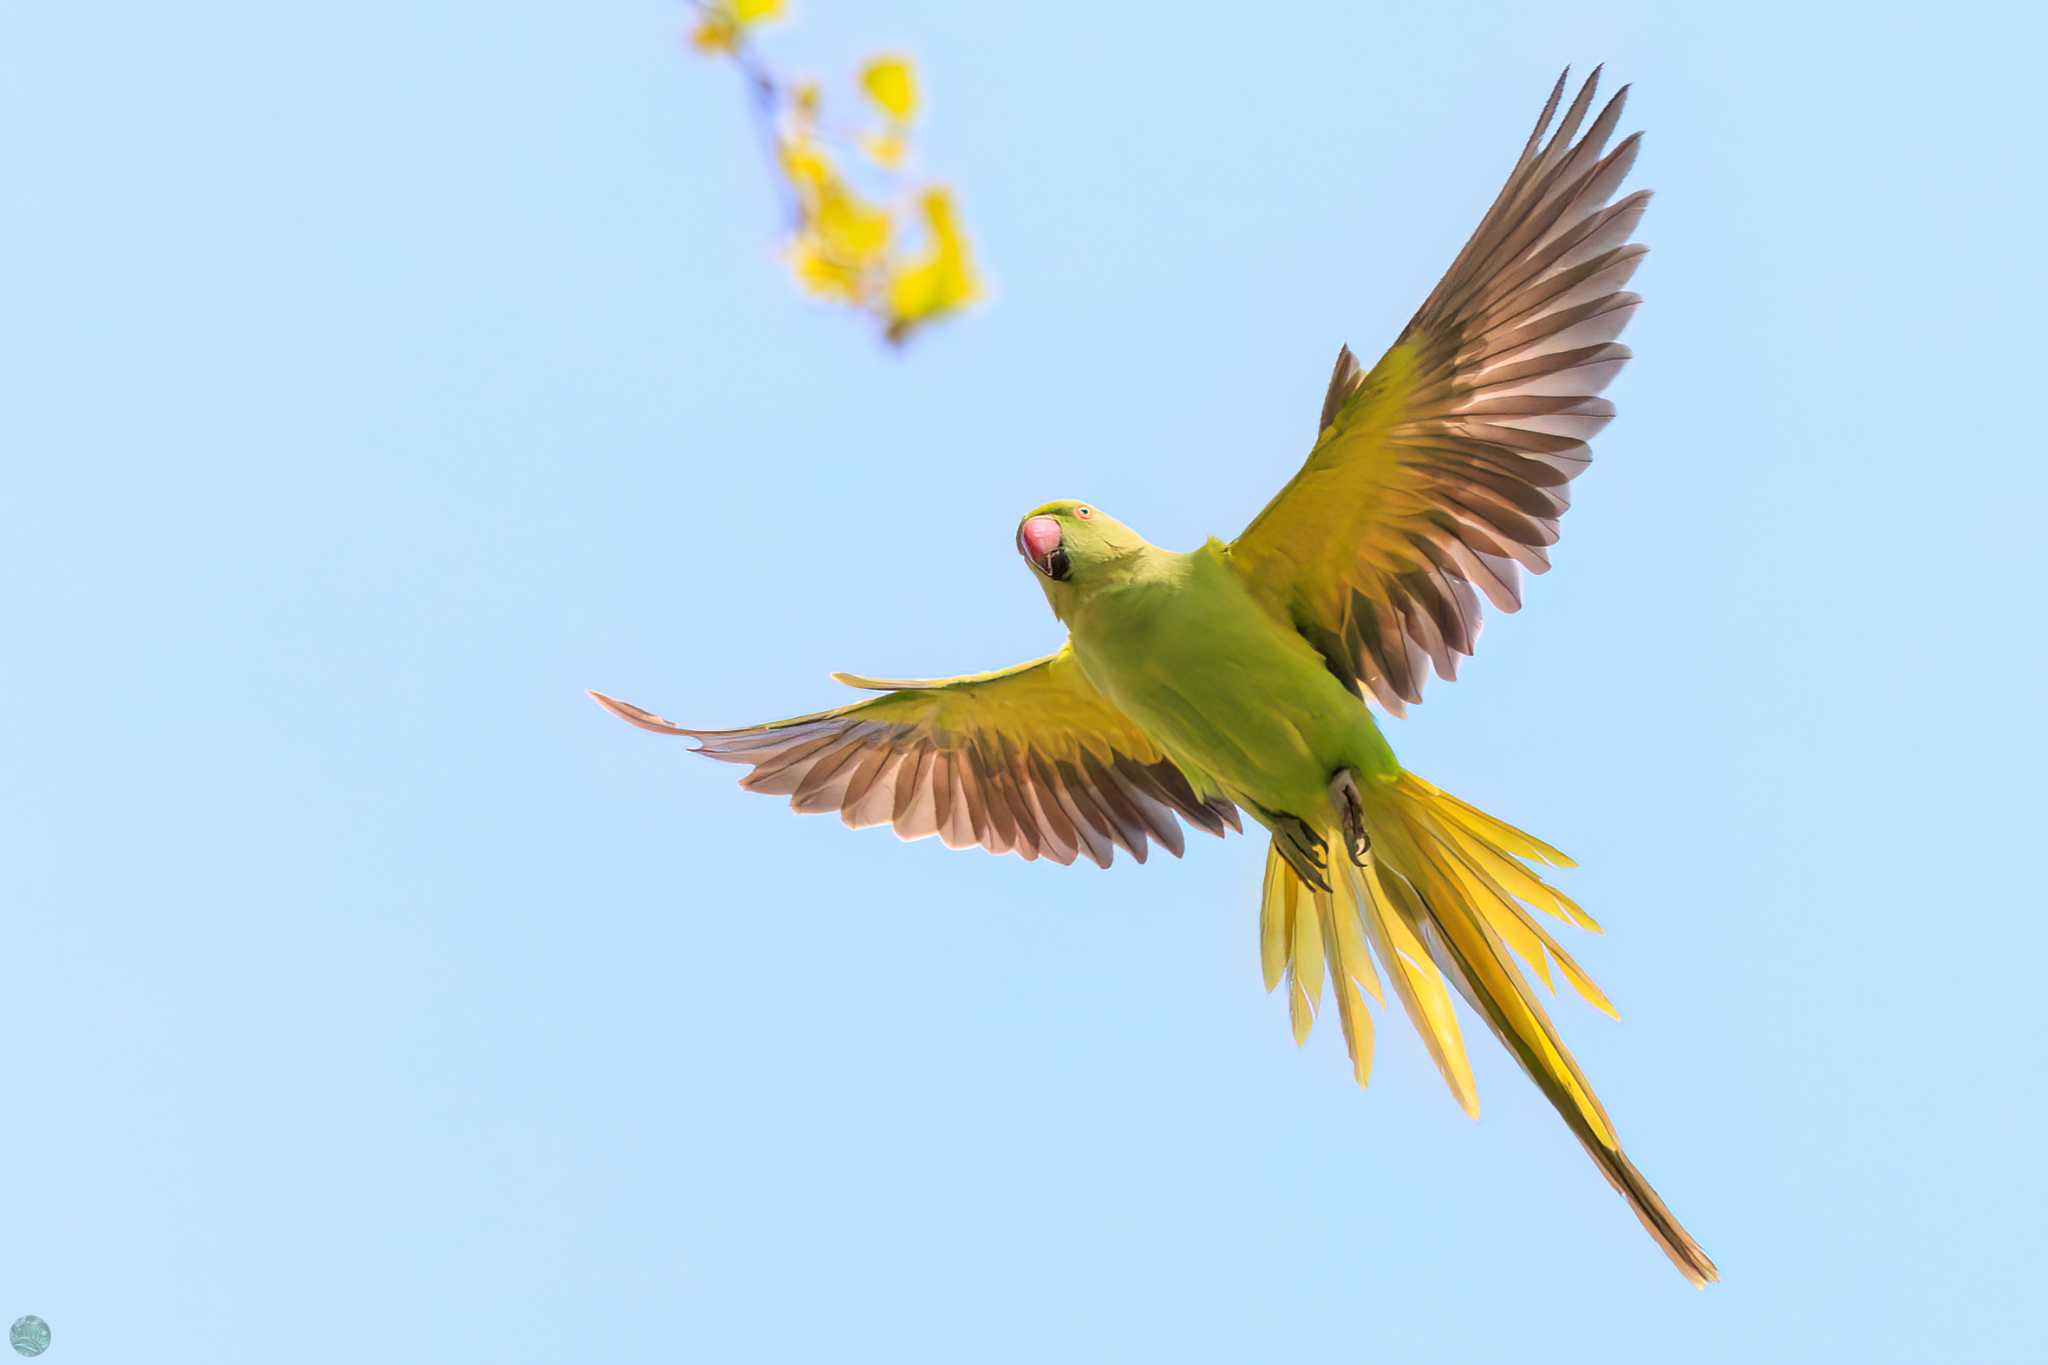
x,y
1084,512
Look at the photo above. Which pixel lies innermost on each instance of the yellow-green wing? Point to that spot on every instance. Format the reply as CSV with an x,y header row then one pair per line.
x,y
1446,467
1028,760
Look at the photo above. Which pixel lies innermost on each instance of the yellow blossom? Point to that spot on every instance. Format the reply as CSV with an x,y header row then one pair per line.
x,y
715,33
724,22
886,149
892,84
841,242
942,281
842,246
805,163
825,275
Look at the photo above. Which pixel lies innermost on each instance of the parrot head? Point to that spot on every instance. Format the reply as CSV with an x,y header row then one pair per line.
x,y
1069,544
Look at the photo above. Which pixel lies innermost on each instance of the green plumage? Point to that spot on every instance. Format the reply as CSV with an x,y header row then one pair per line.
x,y
1232,677
1236,697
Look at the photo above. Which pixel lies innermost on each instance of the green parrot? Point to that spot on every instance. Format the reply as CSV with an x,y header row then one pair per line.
x,y
1231,678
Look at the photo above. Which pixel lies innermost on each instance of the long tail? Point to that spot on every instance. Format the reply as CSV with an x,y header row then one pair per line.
x,y
1445,897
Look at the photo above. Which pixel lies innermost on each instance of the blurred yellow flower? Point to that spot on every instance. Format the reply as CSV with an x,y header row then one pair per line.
x,y
854,230
842,246
805,163
841,241
824,275
942,281
892,84
724,22
887,149
715,33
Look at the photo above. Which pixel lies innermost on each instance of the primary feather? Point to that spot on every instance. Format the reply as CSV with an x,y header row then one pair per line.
x,y
1445,468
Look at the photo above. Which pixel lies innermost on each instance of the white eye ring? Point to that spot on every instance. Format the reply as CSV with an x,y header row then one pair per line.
x,y
1084,512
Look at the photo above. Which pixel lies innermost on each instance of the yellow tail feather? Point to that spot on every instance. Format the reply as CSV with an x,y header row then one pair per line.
x,y
1441,903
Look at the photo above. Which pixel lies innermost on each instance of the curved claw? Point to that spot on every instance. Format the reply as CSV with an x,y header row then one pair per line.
x,y
1305,851
1351,815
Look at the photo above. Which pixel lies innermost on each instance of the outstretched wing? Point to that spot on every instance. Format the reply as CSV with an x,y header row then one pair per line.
x,y
1446,467
1028,760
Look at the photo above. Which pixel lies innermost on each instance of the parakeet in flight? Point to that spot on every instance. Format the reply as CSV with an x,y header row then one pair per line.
x,y
1233,678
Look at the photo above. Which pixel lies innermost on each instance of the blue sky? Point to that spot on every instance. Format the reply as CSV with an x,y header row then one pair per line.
x,y
375,378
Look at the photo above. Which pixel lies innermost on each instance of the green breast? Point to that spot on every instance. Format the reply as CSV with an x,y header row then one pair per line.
x,y
1231,693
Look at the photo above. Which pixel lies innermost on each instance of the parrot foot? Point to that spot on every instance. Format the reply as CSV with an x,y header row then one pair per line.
x,y
1351,813
1305,851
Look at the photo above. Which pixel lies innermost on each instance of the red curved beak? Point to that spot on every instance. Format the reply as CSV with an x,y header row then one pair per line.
x,y
1038,539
